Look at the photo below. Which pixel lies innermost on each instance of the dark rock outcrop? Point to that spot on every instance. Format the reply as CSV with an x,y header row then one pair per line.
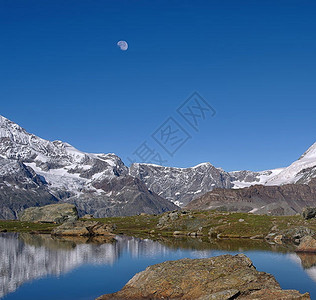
x,y
309,213
221,277
54,213
287,199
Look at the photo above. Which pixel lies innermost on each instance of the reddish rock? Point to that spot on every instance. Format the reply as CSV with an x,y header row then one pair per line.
x,y
219,278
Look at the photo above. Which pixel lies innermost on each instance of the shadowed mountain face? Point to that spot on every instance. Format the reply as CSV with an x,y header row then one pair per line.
x,y
21,187
36,172
287,199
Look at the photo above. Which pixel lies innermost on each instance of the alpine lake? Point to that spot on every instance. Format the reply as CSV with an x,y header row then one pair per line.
x,y
38,266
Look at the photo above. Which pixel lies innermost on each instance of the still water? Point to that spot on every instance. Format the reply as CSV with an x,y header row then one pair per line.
x,y
39,267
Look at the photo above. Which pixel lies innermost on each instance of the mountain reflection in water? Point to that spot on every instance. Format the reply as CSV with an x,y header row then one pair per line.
x,y
25,257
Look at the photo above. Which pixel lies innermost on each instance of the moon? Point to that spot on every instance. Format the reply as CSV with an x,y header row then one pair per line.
x,y
123,45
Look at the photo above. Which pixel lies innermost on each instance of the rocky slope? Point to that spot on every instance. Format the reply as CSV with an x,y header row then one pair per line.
x,y
34,171
21,187
287,199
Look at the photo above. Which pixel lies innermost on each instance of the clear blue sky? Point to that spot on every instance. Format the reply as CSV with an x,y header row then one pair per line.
x,y
63,77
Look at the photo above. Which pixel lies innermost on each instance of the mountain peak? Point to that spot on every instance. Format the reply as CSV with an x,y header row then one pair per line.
x,y
310,153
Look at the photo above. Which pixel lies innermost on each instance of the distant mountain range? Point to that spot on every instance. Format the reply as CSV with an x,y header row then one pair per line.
x,y
182,185
34,171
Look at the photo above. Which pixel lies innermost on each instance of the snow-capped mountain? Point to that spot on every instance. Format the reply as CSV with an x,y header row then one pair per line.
x,y
284,191
20,187
34,171
96,183
300,171
181,185
242,179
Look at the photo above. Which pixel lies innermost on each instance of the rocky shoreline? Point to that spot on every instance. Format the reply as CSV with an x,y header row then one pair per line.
x,y
222,277
63,219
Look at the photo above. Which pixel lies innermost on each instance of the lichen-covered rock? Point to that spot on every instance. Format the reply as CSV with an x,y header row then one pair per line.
x,y
83,228
308,244
168,218
221,277
309,213
53,213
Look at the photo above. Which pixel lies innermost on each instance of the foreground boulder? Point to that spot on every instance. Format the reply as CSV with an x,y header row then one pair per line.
x,y
54,213
83,228
308,244
221,277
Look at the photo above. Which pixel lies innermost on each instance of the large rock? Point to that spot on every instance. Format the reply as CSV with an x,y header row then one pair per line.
x,y
54,213
309,213
291,235
222,277
83,228
308,244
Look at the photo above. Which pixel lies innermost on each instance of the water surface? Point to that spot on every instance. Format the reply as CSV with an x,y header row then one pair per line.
x,y
39,267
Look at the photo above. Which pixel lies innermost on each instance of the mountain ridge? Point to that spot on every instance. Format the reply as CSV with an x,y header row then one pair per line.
x,y
101,184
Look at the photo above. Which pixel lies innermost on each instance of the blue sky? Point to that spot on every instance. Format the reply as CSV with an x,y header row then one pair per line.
x,y
63,77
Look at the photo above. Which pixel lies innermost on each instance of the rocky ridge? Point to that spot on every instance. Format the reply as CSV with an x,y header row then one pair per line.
x,y
182,185
287,199
36,172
